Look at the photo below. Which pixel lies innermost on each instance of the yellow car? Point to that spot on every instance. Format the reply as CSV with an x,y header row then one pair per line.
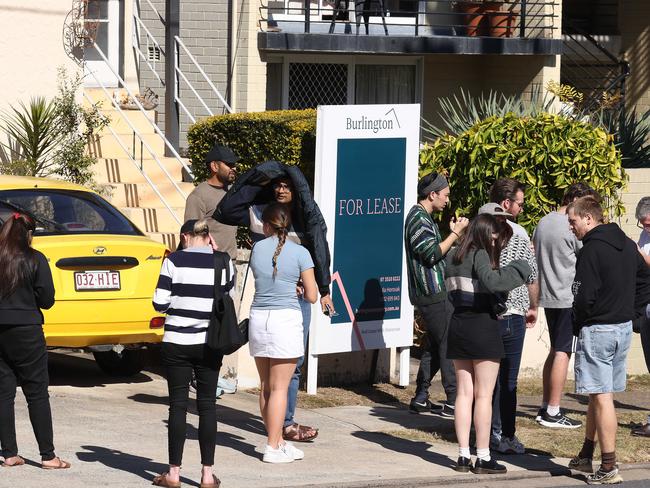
x,y
104,269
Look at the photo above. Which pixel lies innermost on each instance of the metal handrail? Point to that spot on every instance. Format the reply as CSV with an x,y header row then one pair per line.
x,y
533,16
139,168
140,24
179,42
142,109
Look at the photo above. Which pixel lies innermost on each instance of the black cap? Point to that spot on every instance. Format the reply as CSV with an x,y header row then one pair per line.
x,y
186,228
220,153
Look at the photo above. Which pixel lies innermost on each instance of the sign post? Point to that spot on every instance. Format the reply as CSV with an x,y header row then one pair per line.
x,y
366,180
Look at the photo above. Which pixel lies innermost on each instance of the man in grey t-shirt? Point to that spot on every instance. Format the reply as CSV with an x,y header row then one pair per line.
x,y
556,250
203,200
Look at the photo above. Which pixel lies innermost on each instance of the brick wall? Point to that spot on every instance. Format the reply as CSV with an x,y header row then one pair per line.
x,y
443,75
204,30
635,44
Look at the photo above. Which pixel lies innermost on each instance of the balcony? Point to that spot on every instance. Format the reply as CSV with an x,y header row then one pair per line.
x,y
415,27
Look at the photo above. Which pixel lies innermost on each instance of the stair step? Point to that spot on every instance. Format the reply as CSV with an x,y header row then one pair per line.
x,y
143,195
122,170
154,219
167,238
107,145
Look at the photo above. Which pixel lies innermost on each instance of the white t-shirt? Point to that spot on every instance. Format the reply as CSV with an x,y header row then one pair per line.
x,y
518,230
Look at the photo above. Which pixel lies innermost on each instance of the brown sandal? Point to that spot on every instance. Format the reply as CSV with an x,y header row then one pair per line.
x,y
19,462
299,433
61,464
215,484
161,480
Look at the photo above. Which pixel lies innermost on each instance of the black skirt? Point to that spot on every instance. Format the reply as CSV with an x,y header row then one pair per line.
x,y
474,335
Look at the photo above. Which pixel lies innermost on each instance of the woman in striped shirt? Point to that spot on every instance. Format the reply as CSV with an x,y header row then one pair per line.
x,y
185,293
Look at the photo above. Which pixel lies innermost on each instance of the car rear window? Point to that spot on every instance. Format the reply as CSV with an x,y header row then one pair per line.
x,y
66,212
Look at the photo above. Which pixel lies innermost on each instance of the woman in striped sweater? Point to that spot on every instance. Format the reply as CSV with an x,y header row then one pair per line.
x,y
185,293
475,284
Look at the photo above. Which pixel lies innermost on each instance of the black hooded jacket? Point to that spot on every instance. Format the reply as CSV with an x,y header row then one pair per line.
x,y
612,279
252,188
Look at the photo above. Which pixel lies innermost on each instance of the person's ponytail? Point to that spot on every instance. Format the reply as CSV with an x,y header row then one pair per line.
x,y
278,216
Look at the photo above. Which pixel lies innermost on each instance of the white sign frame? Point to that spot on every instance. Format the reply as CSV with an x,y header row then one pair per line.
x,y
335,122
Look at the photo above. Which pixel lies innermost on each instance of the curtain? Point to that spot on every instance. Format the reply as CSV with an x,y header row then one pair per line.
x,y
384,84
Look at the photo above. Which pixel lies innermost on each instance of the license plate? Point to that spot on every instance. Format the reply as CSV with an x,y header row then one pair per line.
x,y
96,280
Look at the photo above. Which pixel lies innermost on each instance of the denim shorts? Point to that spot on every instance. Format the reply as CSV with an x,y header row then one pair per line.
x,y
601,358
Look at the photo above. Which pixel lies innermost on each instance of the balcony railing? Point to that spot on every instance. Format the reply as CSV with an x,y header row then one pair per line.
x,y
527,19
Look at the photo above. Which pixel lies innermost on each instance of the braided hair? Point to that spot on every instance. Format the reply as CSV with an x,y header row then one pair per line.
x,y
278,217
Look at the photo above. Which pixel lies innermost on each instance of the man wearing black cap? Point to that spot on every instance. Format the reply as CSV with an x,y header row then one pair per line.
x,y
203,200
425,252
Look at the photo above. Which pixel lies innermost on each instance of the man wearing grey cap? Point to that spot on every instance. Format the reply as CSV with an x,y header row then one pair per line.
x,y
203,200
425,252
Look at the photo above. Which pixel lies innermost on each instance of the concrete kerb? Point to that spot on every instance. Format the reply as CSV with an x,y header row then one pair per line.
x,y
455,480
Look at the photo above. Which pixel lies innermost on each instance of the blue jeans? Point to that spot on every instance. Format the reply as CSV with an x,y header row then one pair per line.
x,y
294,384
504,400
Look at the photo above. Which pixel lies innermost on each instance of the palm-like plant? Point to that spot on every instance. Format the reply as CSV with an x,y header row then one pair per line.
x,y
33,134
458,114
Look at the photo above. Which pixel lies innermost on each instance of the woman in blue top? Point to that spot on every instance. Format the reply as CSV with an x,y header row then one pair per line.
x,y
282,269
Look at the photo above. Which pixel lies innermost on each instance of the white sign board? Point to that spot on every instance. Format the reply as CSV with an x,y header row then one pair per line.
x,y
365,183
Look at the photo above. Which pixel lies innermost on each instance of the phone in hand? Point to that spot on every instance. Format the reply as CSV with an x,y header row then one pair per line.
x,y
329,311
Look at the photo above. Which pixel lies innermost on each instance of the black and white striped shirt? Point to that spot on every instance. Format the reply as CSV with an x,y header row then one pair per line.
x,y
185,293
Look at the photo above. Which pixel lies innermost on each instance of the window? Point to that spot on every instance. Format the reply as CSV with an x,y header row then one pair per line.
x,y
384,84
66,212
313,84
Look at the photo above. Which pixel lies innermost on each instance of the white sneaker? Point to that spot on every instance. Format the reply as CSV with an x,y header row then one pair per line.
x,y
294,451
277,456
510,445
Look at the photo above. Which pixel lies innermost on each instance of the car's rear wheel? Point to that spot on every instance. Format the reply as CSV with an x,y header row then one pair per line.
x,y
127,362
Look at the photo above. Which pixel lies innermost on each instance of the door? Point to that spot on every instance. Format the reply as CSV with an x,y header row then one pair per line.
x,y
105,14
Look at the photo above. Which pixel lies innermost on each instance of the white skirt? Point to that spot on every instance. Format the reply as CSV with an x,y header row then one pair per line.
x,y
275,334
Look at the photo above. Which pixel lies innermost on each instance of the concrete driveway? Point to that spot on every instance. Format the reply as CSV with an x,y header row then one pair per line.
x,y
114,433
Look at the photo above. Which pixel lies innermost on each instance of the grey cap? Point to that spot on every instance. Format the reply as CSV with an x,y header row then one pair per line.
x,y
493,209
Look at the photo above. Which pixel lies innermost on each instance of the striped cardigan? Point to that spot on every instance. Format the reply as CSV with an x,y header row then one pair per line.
x,y
473,283
424,258
185,292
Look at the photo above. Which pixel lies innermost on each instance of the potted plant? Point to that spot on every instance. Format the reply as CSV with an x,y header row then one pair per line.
x,y
500,21
473,15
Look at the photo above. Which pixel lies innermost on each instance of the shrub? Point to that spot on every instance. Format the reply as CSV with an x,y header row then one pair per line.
x,y
546,152
288,136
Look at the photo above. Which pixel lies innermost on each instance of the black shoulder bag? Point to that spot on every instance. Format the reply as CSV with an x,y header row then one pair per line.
x,y
225,334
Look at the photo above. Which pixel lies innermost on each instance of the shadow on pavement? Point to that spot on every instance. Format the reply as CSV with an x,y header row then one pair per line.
x,y
584,400
405,446
115,459
81,371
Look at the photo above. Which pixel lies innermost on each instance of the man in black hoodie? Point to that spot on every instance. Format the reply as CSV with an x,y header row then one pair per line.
x,y
611,278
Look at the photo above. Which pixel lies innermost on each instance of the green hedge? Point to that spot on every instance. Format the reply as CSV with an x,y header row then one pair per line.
x,y
546,152
288,136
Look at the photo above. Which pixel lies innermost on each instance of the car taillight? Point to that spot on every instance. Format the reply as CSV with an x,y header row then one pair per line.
x,y
157,323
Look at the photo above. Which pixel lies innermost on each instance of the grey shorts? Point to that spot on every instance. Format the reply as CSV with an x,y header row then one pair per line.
x,y
601,358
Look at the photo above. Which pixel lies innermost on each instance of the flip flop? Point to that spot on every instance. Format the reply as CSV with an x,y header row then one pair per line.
x,y
161,480
216,483
19,462
61,464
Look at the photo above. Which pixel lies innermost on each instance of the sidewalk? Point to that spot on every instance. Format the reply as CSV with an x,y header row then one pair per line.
x,y
114,433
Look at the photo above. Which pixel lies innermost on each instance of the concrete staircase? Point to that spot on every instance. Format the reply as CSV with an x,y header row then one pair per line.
x,y
132,194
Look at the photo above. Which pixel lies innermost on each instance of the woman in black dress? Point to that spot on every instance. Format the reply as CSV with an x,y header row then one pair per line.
x,y
477,289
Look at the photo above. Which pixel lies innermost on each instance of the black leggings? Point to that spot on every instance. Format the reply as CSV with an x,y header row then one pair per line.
x,y
181,361
23,360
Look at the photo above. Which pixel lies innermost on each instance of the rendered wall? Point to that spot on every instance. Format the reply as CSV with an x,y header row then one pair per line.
x,y
31,49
